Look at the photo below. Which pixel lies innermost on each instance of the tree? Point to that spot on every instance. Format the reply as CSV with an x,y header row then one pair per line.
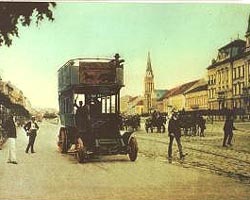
x,y
13,13
20,110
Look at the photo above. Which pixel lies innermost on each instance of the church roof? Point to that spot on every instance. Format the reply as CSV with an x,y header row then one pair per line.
x,y
159,94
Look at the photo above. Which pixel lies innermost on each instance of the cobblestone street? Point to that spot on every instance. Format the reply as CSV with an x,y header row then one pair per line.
x,y
48,174
207,152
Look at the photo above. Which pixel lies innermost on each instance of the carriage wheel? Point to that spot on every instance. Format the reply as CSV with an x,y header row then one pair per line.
x,y
62,140
133,149
82,155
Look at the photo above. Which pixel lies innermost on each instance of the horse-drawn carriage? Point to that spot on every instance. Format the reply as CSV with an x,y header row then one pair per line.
x,y
131,122
192,124
94,127
156,121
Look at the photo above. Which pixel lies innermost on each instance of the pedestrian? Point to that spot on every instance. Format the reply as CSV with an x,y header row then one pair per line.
x,y
10,128
31,128
174,132
202,125
228,130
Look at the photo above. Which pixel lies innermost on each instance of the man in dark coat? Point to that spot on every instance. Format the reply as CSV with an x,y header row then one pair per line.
x,y
10,128
31,128
174,132
228,131
202,125
82,120
82,117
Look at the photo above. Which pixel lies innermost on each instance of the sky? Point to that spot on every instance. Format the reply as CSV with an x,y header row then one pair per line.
x,y
182,39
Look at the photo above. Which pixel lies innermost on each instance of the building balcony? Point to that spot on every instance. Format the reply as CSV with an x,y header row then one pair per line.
x,y
221,95
194,106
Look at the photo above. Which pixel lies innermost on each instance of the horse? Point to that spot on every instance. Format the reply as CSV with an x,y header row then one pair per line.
x,y
157,122
132,121
188,124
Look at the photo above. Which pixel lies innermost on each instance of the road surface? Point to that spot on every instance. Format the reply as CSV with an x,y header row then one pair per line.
x,y
47,174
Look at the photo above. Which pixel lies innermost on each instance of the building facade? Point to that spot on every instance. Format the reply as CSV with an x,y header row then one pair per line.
x,y
175,98
196,98
134,105
124,103
228,76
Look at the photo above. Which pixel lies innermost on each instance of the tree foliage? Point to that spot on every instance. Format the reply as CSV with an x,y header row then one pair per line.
x,y
13,13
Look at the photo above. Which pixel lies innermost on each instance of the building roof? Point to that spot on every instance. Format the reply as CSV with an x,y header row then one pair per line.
x,y
132,99
139,103
180,89
240,44
197,89
202,84
235,43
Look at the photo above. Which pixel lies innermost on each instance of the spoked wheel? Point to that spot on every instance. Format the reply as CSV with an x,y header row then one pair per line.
x,y
62,140
82,155
133,149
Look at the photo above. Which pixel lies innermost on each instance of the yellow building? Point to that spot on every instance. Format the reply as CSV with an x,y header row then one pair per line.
x,y
124,103
135,105
175,98
139,107
196,97
228,76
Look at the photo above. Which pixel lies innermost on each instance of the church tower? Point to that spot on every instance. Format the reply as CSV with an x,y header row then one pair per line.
x,y
248,36
148,87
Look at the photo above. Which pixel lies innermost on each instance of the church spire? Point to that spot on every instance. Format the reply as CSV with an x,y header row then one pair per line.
x,y
149,87
149,66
